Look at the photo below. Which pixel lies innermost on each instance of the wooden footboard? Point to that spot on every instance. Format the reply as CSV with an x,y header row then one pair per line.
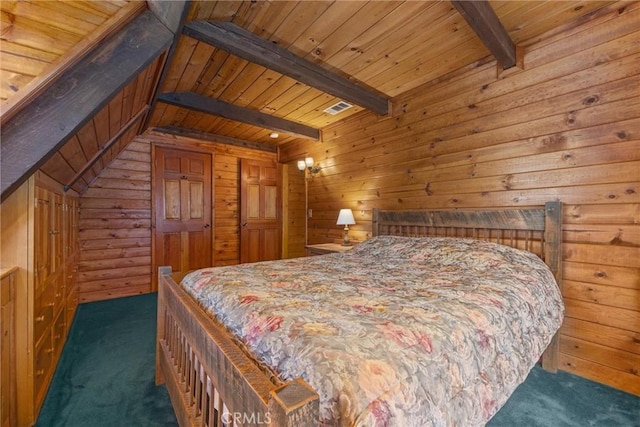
x,y
210,380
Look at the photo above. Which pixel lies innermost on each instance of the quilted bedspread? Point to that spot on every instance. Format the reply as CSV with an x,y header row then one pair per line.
x,y
397,331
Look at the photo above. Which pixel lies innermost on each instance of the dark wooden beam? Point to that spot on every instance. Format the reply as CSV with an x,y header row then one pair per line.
x,y
171,13
42,127
483,20
240,42
174,15
212,137
197,102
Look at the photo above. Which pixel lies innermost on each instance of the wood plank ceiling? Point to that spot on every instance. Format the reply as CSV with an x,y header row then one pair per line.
x,y
71,117
390,46
42,39
385,47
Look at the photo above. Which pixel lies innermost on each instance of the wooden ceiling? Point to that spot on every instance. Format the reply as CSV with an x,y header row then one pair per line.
x,y
384,48
42,39
389,46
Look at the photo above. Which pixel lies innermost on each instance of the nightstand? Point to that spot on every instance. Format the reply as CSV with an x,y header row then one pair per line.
x,y
327,248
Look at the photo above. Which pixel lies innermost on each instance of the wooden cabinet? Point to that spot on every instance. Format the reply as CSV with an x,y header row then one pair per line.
x,y
326,248
7,348
42,225
55,296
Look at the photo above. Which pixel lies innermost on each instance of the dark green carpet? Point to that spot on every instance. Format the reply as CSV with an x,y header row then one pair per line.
x,y
106,378
106,374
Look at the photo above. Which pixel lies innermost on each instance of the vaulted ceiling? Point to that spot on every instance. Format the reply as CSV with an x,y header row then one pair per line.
x,y
80,79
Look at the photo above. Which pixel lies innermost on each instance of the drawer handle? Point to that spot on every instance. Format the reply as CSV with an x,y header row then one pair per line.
x,y
40,372
40,318
49,350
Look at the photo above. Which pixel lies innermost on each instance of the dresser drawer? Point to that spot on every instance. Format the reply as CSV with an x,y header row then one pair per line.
x,y
42,366
72,306
58,293
59,332
43,313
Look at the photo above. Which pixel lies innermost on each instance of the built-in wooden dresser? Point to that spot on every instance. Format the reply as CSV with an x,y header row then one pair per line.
x,y
40,236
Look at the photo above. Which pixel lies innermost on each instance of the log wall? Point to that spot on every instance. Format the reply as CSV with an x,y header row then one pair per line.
x,y
115,216
565,127
115,228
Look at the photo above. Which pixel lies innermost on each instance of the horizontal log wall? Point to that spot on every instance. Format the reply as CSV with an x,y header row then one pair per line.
x,y
566,127
115,216
115,228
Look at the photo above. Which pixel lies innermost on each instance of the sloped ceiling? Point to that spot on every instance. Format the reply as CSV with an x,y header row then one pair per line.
x,y
385,47
389,46
72,120
42,39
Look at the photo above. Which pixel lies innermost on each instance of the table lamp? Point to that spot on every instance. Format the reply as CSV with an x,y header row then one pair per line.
x,y
345,217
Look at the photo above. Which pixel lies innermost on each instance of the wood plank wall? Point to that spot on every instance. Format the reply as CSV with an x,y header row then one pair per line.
x,y
566,127
115,216
115,228
295,211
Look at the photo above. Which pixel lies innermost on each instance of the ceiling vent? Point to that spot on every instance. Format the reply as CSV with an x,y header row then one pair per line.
x,y
338,108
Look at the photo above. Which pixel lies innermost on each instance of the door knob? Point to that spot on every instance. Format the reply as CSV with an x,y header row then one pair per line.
x,y
207,226
244,224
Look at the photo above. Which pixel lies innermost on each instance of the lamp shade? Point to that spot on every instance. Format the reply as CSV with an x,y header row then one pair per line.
x,y
345,217
301,165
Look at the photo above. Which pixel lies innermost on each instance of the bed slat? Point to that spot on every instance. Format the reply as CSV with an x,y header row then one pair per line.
x,y
195,354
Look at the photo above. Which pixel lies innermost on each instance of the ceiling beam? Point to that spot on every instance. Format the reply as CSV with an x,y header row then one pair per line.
x,y
483,20
212,137
173,14
35,133
204,104
244,44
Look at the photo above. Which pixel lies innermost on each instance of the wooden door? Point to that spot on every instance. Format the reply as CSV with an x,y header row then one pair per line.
x,y
183,237
259,211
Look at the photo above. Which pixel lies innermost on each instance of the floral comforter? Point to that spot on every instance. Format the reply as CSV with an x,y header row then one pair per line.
x,y
397,331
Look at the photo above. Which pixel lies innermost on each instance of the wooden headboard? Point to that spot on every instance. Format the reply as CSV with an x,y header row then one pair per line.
x,y
534,230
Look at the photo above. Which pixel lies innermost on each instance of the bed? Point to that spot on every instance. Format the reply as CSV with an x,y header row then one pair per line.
x,y
379,352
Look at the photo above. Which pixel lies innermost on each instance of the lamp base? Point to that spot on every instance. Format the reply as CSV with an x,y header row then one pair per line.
x,y
346,241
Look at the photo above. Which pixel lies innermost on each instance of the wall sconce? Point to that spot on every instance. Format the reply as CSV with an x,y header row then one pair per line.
x,y
309,165
345,217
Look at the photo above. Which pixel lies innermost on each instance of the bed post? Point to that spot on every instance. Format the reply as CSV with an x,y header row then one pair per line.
x,y
375,230
160,324
553,258
294,404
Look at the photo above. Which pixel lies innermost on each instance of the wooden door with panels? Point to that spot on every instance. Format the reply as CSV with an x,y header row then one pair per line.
x,y
183,236
260,214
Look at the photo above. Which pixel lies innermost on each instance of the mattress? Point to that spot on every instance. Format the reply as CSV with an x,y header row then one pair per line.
x,y
398,331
